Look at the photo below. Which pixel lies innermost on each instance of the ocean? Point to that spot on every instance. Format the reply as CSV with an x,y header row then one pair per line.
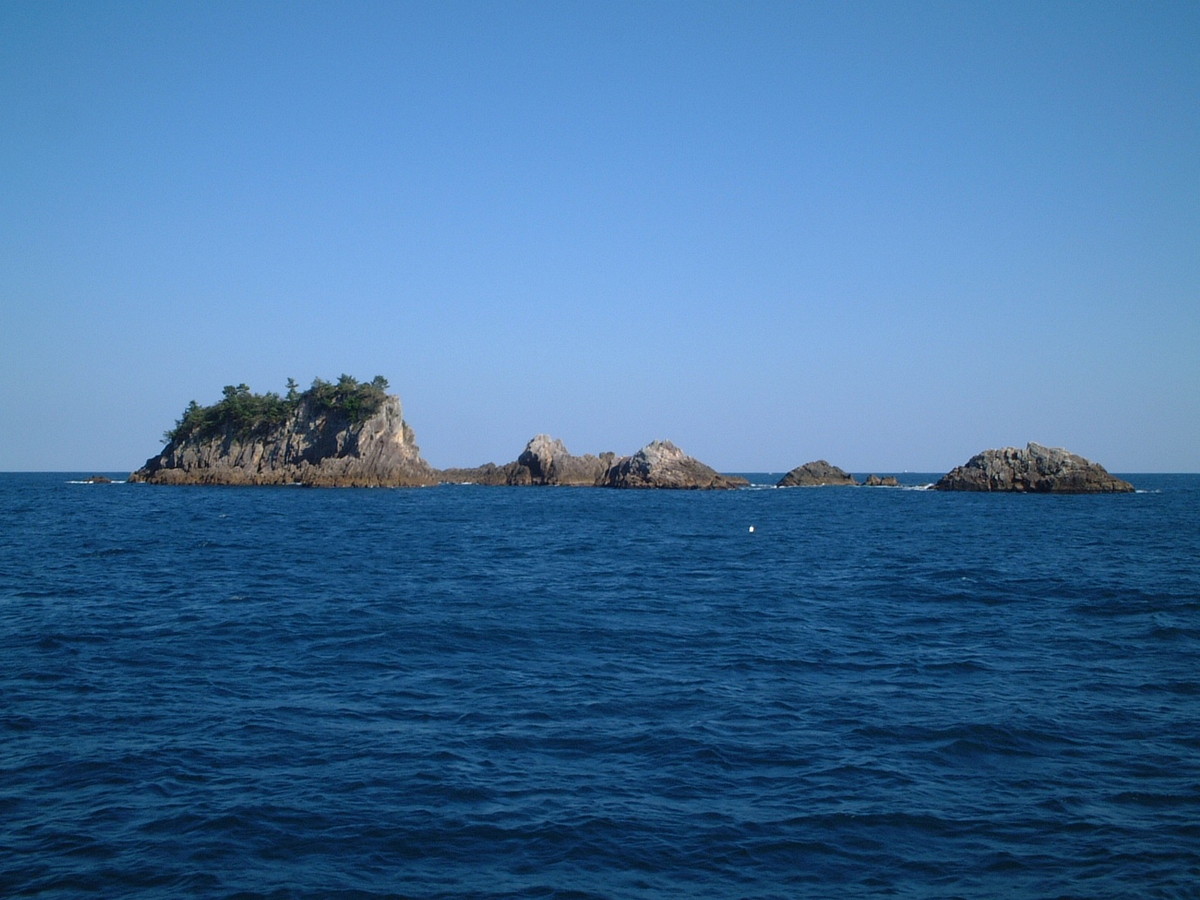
x,y
479,692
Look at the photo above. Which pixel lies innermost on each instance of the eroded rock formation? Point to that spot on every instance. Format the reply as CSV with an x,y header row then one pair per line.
x,y
549,462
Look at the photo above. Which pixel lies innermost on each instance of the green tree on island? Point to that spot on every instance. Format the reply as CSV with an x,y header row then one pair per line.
x,y
241,413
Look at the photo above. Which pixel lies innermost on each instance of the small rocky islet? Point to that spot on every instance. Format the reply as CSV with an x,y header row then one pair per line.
x,y
1033,469
352,434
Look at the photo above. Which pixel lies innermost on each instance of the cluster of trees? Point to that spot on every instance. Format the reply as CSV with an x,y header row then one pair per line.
x,y
240,412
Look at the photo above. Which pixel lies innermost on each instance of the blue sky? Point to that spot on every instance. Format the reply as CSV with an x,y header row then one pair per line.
x,y
889,235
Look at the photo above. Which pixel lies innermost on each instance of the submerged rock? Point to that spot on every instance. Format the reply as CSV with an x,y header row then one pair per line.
x,y
661,464
1034,469
815,474
487,474
884,481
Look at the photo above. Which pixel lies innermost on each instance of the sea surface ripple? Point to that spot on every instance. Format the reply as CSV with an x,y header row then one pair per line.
x,y
584,693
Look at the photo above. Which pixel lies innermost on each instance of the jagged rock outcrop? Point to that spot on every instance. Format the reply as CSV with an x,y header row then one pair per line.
x,y
661,464
815,474
882,481
1034,469
312,446
549,462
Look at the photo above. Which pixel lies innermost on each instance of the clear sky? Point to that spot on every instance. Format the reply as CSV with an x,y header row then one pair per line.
x,y
889,235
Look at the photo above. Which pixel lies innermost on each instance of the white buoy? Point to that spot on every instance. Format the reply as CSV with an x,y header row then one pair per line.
x,y
752,529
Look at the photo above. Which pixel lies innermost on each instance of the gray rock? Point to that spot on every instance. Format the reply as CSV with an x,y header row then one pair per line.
x,y
1035,469
661,464
814,474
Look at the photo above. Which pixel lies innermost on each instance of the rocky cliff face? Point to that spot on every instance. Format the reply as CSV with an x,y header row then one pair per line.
x,y
815,474
1035,469
309,447
663,465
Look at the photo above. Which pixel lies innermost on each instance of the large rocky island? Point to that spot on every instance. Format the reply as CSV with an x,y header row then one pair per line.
x,y
1034,469
343,433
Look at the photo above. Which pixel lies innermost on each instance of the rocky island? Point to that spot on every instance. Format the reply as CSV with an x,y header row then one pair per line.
x,y
816,474
820,473
343,433
661,464
1034,469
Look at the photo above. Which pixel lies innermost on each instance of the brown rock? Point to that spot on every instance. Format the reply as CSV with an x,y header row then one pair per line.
x,y
885,481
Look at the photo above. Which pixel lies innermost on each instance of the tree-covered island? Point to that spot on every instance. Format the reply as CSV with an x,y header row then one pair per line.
x,y
343,433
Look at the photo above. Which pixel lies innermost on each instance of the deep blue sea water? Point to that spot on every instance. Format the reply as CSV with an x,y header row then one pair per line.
x,y
554,692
